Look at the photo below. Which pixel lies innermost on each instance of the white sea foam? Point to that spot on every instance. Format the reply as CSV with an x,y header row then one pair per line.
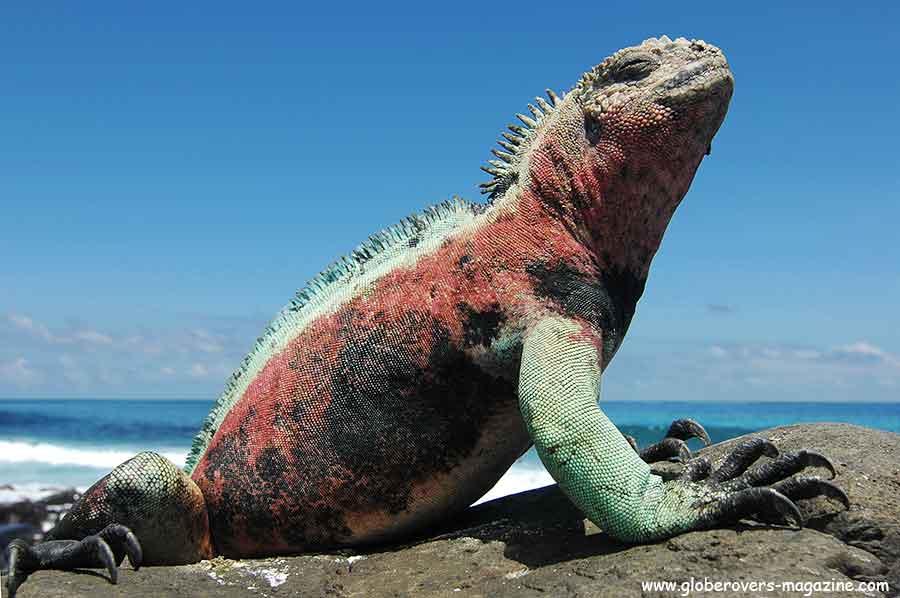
x,y
31,491
54,454
519,478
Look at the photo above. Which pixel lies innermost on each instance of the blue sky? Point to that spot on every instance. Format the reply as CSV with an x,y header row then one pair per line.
x,y
171,174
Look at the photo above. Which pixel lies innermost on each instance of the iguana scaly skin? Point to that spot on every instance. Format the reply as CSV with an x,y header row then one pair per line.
x,y
400,384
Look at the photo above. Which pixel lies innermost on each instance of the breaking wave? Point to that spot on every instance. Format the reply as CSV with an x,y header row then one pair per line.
x,y
53,454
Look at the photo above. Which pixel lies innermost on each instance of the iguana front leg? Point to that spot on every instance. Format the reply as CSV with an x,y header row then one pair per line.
x,y
600,472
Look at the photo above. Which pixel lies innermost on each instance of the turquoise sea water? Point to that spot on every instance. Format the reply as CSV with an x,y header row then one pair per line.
x,y
74,442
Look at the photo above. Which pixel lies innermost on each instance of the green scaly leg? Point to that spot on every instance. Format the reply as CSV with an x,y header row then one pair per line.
x,y
603,475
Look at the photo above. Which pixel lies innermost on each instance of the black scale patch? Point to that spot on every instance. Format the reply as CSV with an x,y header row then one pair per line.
x,y
608,301
399,415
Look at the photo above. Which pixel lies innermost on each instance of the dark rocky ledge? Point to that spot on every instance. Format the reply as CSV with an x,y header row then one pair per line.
x,y
536,544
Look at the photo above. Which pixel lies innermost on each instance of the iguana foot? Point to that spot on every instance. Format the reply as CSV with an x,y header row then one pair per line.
x,y
764,493
146,497
674,444
702,497
106,549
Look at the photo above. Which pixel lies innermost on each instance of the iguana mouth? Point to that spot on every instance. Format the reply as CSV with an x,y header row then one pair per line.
x,y
691,72
707,78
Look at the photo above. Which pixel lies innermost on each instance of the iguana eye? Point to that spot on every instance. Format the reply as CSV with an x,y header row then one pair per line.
x,y
633,67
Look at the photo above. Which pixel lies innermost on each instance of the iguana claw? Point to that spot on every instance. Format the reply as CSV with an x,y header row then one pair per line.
x,y
106,549
685,429
696,469
809,487
765,492
751,503
667,448
743,457
674,444
786,465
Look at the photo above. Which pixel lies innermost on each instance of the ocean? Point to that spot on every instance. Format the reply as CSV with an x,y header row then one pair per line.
x,y
50,444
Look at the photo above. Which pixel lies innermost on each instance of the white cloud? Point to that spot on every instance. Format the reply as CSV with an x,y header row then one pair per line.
x,y
856,370
42,332
198,370
27,324
806,354
862,353
717,351
858,352
19,372
74,358
93,337
843,365
22,322
206,342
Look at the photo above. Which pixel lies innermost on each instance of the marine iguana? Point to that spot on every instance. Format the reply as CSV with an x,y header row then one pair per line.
x,y
400,383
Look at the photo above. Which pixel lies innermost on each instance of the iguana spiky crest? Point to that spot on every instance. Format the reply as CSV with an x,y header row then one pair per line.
x,y
505,171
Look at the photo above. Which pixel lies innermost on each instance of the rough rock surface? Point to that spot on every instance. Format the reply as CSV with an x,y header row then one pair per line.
x,y
536,544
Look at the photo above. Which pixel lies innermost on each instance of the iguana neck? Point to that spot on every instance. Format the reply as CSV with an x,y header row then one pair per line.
x,y
615,207
624,227
619,216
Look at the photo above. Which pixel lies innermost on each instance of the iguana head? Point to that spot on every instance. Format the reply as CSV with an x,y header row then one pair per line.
x,y
614,157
